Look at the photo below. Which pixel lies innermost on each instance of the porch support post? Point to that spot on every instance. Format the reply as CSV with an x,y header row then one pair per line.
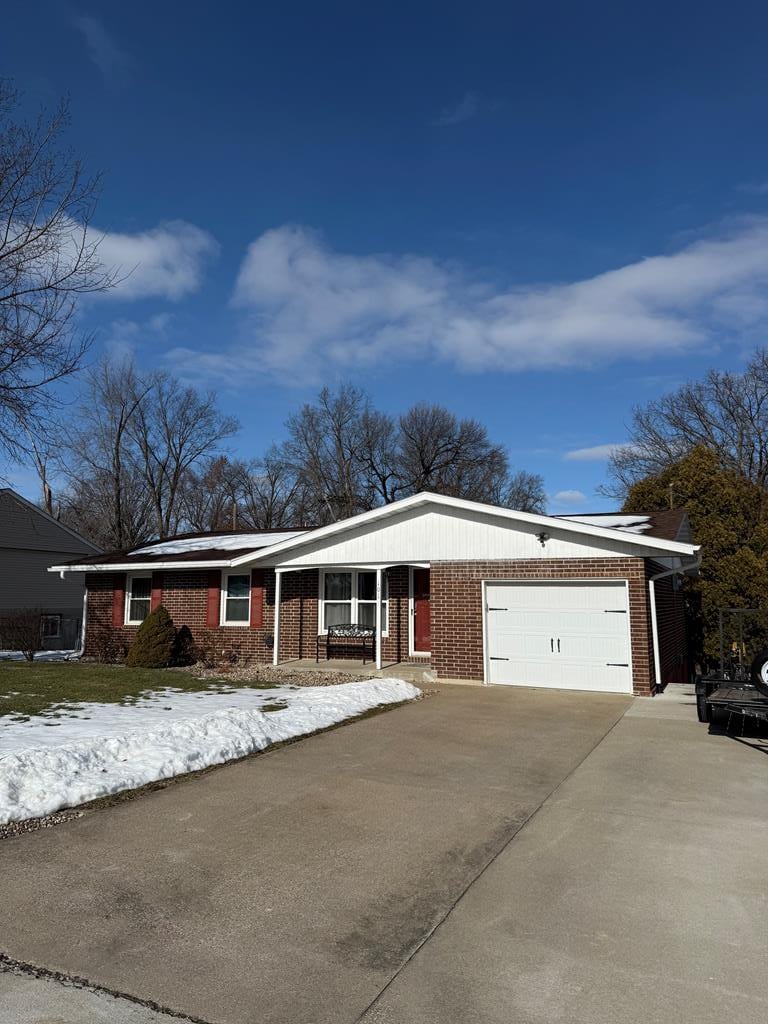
x,y
378,618
276,641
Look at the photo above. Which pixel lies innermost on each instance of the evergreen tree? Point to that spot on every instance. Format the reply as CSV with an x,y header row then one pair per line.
x,y
154,643
729,518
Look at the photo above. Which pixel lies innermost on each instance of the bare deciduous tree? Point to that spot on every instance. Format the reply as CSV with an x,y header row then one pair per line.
x,y
271,495
727,413
139,442
211,494
48,257
173,428
106,498
346,457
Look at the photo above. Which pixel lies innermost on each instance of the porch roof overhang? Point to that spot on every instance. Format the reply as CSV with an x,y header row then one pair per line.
x,y
365,566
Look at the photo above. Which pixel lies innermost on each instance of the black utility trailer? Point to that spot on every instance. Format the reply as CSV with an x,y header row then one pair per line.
x,y
748,698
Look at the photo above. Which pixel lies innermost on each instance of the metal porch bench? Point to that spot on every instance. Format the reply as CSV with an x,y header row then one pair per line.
x,y
347,635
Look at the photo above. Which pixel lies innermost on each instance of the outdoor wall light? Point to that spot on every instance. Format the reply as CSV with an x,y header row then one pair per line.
x,y
543,538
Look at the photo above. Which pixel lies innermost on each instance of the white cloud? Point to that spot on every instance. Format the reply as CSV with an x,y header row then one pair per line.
x,y
598,453
308,308
464,110
164,262
114,64
123,338
569,498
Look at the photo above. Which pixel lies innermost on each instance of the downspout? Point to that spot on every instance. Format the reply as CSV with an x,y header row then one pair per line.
x,y
678,571
79,653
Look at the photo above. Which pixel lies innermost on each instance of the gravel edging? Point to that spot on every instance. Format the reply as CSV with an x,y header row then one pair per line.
x,y
275,676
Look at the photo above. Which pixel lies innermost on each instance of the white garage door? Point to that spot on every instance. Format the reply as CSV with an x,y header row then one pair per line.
x,y
574,636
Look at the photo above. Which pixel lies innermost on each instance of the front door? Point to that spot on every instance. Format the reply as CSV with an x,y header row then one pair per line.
x,y
422,632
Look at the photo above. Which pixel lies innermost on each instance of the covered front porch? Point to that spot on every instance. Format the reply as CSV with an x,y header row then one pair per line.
x,y
389,603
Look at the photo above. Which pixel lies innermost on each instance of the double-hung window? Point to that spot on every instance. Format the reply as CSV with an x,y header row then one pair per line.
x,y
138,598
236,599
350,596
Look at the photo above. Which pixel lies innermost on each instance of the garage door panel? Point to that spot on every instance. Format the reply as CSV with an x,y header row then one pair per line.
x,y
572,635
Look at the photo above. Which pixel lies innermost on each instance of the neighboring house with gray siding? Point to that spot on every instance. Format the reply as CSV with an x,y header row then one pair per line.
x,y
30,541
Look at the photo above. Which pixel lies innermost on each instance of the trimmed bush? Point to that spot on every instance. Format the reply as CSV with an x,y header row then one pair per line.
x,y
153,646
184,647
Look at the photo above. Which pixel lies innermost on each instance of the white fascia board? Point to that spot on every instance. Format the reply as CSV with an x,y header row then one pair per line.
x,y
140,566
476,508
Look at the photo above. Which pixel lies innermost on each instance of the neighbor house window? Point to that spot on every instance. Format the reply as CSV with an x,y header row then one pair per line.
x,y
50,627
138,598
236,599
350,596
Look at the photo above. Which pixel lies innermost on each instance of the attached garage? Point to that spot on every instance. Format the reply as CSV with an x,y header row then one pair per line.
x,y
571,635
466,591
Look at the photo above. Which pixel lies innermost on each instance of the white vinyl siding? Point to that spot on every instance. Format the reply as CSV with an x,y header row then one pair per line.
x,y
138,599
349,595
423,536
236,599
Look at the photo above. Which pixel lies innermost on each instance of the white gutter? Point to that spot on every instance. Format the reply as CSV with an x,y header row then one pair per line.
x,y
133,566
679,570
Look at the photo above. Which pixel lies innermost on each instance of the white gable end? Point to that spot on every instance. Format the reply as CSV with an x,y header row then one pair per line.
x,y
431,534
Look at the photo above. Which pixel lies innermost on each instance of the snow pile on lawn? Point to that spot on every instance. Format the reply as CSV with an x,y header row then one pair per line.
x,y
39,655
171,736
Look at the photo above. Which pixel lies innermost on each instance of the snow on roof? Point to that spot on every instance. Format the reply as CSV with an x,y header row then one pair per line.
x,y
215,542
627,523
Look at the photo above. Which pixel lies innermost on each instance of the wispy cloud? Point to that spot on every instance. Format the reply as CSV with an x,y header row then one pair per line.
x,y
467,108
114,63
569,498
305,306
167,261
598,453
123,338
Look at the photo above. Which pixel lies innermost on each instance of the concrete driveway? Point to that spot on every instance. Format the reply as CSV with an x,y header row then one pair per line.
x,y
397,870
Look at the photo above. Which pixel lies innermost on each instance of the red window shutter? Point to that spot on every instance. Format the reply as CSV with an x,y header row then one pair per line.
x,y
118,599
257,598
214,598
157,591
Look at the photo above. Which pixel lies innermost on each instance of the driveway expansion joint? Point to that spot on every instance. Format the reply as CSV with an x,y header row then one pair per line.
x,y
360,1019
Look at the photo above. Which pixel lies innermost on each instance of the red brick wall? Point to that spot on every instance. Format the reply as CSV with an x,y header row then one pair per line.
x,y
185,597
457,613
670,619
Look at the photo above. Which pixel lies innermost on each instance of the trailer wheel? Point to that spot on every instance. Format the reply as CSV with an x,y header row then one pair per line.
x,y
703,710
759,672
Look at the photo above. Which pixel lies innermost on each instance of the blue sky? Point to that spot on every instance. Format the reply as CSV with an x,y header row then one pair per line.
x,y
536,214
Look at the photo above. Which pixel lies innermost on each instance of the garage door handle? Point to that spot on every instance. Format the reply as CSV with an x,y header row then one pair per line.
x,y
499,659
617,664
498,609
615,611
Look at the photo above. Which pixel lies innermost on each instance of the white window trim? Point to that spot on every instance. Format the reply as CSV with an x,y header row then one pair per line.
x,y
354,599
130,577
223,599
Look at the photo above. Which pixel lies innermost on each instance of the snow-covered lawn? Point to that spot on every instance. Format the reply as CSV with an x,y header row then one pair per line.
x,y
91,749
39,655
